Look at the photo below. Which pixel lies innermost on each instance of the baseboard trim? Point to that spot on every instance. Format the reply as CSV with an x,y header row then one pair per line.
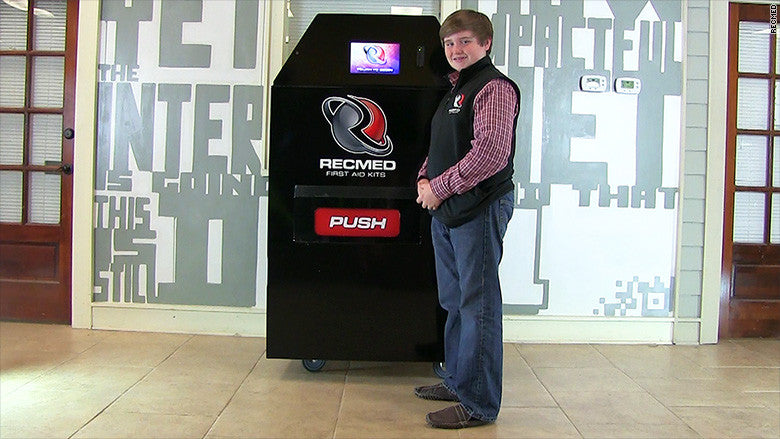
x,y
248,322
251,322
548,329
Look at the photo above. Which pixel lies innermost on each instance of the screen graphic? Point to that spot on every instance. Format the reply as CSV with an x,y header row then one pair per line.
x,y
374,58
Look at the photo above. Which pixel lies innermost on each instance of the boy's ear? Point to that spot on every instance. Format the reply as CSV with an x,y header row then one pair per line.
x,y
487,44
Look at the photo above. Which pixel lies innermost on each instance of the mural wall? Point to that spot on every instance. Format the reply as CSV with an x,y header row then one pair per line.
x,y
178,186
180,204
596,171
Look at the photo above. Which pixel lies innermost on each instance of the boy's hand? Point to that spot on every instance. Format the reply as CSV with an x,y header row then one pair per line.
x,y
425,196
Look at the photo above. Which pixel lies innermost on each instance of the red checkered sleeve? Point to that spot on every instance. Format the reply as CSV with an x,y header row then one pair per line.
x,y
495,107
423,172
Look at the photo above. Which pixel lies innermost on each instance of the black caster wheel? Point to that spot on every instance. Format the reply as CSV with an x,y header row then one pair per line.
x,y
313,365
439,369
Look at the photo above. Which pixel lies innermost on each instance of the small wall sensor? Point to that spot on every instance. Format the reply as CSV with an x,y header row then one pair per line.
x,y
630,86
593,83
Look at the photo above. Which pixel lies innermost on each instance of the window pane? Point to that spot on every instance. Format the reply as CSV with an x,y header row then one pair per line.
x,y
46,138
776,164
45,198
301,12
753,47
13,28
11,138
748,217
777,104
48,78
774,225
11,196
751,161
12,74
752,99
49,24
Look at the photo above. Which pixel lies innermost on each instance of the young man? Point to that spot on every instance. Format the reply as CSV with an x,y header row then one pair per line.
x,y
466,184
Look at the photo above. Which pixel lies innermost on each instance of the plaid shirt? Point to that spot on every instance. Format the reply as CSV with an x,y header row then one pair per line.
x,y
495,107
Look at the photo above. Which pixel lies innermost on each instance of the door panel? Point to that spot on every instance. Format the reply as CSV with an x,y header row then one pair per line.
x,y
28,261
755,282
750,300
37,77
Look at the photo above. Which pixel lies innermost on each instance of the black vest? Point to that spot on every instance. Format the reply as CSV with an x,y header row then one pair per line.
x,y
452,130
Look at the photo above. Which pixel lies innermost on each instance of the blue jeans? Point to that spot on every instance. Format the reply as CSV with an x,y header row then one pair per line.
x,y
467,259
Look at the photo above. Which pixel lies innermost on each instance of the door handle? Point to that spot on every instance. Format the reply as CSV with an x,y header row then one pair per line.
x,y
65,168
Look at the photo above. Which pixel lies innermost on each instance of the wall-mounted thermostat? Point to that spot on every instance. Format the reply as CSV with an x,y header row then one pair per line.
x,y
594,83
630,86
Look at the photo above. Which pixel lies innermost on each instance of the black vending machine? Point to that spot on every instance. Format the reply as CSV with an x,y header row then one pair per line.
x,y
351,273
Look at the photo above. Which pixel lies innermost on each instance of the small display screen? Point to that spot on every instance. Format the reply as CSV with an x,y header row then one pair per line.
x,y
374,58
627,84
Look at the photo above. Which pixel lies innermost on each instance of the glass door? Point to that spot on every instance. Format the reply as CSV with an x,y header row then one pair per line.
x,y
750,304
37,72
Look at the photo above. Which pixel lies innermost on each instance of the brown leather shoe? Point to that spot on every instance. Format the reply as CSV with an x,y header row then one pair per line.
x,y
455,416
438,392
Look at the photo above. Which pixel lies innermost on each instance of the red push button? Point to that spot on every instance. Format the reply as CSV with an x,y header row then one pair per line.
x,y
382,223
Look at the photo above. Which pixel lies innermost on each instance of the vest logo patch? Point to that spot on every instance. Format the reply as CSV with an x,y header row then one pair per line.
x,y
457,104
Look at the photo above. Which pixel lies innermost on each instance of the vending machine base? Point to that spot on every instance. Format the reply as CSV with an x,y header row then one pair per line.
x,y
316,365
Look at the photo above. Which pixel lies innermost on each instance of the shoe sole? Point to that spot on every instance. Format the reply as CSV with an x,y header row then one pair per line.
x,y
467,424
433,397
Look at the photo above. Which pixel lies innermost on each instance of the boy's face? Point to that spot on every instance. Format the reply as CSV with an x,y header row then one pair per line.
x,y
463,49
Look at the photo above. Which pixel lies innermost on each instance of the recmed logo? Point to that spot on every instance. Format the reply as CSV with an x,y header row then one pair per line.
x,y
364,223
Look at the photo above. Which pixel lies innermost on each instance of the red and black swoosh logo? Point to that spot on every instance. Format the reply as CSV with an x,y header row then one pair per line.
x,y
358,125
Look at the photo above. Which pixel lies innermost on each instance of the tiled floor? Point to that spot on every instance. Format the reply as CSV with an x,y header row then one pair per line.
x,y
59,382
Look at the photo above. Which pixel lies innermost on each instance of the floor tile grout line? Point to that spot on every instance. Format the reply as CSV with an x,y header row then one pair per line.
x,y
740,367
70,358
100,412
734,343
647,391
528,365
704,367
595,347
702,407
341,401
42,374
517,350
557,404
252,369
766,357
687,407
644,390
